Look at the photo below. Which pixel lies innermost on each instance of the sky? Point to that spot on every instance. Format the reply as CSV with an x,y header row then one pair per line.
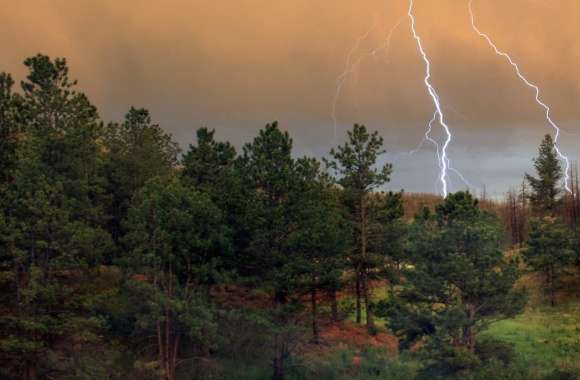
x,y
235,65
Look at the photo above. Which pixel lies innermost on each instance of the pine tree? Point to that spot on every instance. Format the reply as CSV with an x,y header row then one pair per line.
x,y
214,168
55,224
545,188
10,128
321,236
458,281
206,164
391,236
268,169
549,252
138,150
176,239
354,164
9,143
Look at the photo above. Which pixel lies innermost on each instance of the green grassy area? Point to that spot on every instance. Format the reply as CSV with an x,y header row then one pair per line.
x,y
544,336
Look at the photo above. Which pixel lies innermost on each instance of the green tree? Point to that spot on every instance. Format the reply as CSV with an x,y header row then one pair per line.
x,y
138,150
54,218
549,252
354,163
545,188
65,130
206,164
275,180
270,171
9,142
176,239
459,281
321,236
10,127
390,236
213,167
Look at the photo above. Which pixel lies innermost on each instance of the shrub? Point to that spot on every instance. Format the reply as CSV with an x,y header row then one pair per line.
x,y
489,349
562,374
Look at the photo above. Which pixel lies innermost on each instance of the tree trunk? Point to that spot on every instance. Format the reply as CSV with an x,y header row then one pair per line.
x,y
168,339
315,337
17,278
358,297
280,298
278,362
160,343
30,371
551,285
370,320
364,275
168,372
174,355
469,332
333,305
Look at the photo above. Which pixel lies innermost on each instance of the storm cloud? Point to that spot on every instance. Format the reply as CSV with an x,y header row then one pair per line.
x,y
235,65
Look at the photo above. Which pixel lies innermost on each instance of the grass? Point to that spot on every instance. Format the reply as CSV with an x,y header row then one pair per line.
x,y
545,336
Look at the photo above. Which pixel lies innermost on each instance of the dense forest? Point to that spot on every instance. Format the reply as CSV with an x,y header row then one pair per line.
x,y
124,257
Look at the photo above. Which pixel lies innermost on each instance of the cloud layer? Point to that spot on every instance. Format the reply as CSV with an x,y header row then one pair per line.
x,y
235,65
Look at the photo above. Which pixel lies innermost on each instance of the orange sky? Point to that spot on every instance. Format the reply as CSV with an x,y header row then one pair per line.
x,y
235,65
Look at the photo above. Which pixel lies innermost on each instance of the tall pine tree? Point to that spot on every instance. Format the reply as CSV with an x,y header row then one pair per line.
x,y
545,188
355,164
56,221
549,252
138,150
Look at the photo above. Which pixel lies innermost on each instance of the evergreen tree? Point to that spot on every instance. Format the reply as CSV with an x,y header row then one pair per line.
x,y
391,234
549,252
213,167
9,142
354,164
459,282
206,164
138,150
54,217
65,132
10,127
270,171
545,188
321,236
176,239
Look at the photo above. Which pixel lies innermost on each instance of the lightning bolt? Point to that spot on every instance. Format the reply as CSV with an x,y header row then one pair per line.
x,y
347,71
443,158
427,137
537,97
387,40
350,66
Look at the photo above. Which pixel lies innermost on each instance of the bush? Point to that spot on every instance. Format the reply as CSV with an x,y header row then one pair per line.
x,y
562,374
491,359
489,349
444,361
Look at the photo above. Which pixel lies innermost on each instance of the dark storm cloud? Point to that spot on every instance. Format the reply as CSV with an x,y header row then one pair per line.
x,y
236,64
